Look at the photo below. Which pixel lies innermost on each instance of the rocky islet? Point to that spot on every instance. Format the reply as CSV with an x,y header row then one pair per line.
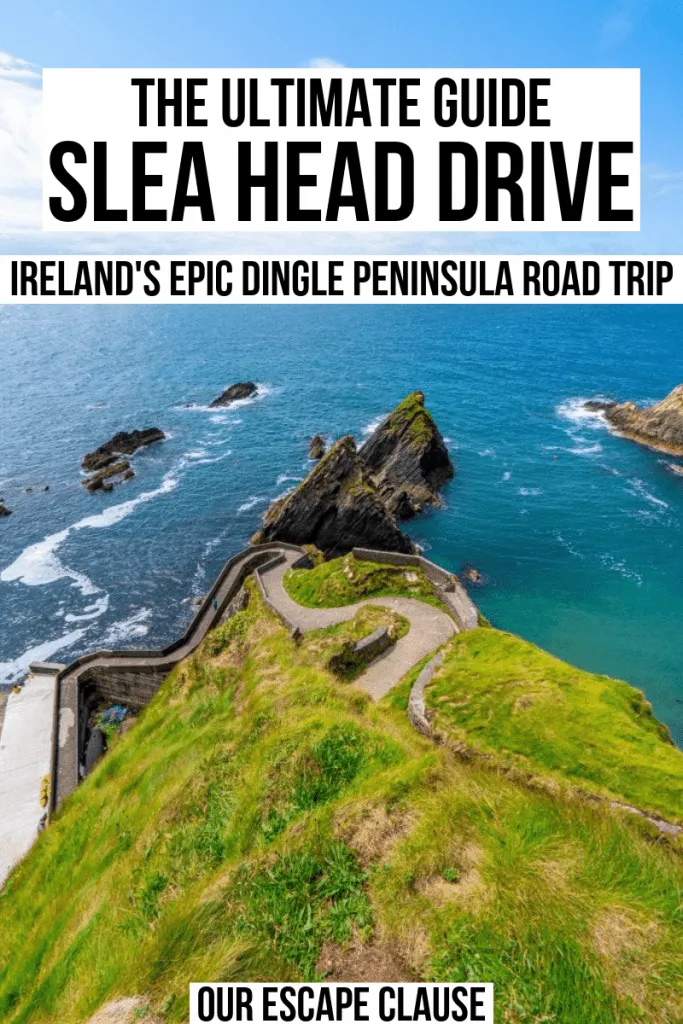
x,y
106,465
316,447
235,393
354,497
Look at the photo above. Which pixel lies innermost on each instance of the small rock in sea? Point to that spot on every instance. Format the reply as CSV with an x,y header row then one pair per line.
x,y
674,467
28,490
105,479
470,574
316,447
234,393
597,405
123,443
46,487
4,511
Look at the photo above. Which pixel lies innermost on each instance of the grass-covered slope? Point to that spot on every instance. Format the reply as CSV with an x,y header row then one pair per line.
x,y
346,580
263,820
503,695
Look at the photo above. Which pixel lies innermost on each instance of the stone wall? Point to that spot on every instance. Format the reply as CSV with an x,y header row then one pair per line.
x,y
133,677
450,590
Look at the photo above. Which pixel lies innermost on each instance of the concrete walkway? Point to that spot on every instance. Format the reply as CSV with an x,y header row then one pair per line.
x,y
429,627
25,745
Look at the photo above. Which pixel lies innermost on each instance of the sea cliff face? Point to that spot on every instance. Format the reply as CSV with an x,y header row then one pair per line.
x,y
337,504
408,458
353,498
659,426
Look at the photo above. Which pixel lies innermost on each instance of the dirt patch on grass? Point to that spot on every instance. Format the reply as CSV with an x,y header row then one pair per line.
x,y
558,872
626,943
356,961
125,1011
372,833
469,890
617,933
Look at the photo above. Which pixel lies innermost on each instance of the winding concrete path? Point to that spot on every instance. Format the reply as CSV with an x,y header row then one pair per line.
x,y
30,748
429,627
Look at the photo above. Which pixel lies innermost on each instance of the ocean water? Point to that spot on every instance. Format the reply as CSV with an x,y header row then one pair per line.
x,y
577,532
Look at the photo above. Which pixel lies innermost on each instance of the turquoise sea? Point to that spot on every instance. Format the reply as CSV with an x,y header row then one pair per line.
x,y
578,532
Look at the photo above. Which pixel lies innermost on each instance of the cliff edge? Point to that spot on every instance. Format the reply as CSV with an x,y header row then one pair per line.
x,y
659,426
335,505
353,498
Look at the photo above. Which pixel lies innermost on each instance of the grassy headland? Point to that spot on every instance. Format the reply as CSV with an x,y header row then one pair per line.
x,y
346,580
263,820
500,694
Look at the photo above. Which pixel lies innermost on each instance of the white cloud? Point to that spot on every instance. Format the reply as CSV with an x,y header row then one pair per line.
x,y
16,67
324,62
666,181
20,170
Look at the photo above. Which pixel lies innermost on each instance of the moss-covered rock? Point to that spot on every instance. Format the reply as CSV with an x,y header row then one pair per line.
x,y
408,458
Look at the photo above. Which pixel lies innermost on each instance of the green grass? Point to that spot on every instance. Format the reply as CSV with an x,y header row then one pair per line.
x,y
505,696
411,415
346,580
259,811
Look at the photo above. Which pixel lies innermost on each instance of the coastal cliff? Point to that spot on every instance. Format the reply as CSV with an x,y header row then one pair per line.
x,y
408,458
263,821
335,505
353,498
658,426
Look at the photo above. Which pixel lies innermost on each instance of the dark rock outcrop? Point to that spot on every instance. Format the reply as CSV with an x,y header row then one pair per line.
x,y
233,394
353,498
408,458
123,443
4,511
316,447
105,479
658,426
337,507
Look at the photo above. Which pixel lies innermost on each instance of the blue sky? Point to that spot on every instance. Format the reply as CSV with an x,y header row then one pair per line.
x,y
360,33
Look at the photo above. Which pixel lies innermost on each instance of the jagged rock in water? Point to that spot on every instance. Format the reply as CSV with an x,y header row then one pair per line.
x,y
233,394
659,426
105,478
408,458
316,447
337,507
4,511
123,443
